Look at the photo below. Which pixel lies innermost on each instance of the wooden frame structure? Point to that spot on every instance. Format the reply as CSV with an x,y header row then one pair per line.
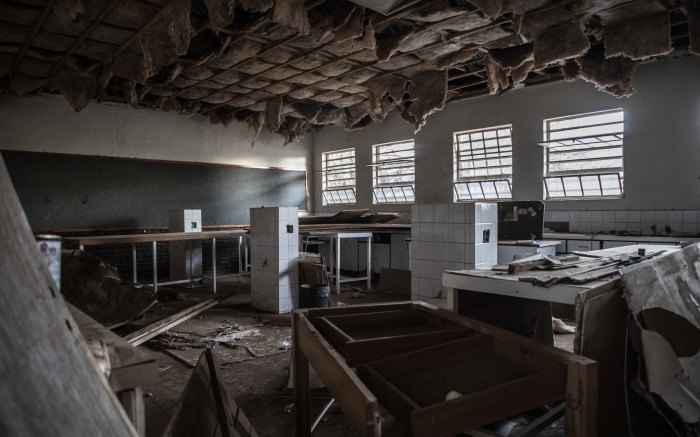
x,y
403,348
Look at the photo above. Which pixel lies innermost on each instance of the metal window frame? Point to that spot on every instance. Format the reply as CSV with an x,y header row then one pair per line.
x,y
481,185
408,182
579,144
338,186
499,152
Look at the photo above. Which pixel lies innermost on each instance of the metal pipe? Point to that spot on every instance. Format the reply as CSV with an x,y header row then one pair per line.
x,y
323,413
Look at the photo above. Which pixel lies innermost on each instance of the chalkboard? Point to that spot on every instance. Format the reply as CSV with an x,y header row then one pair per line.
x,y
61,191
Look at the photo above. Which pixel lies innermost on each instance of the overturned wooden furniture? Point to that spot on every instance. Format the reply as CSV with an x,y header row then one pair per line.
x,y
206,408
489,373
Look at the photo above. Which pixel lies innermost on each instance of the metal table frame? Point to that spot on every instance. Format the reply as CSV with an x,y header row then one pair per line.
x,y
335,239
163,237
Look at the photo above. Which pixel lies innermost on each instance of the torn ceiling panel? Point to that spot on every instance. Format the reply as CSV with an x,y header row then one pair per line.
x,y
228,59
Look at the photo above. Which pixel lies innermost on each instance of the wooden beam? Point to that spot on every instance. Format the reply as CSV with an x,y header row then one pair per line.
x,y
144,334
30,38
96,22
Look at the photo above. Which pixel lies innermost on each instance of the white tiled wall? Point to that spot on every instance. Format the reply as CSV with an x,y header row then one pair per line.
x,y
274,259
449,237
681,221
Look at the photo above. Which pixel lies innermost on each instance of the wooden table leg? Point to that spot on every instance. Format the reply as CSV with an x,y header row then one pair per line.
x,y
301,387
582,398
132,401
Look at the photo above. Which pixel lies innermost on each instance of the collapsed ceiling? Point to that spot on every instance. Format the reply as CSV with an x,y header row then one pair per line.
x,y
296,66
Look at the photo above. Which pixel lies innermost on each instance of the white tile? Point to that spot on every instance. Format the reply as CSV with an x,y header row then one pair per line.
x,y
620,216
415,250
415,213
585,227
445,252
634,226
646,228
458,252
426,269
586,216
690,227
457,213
675,216
414,286
457,232
469,212
675,227
564,216
442,232
426,231
575,216
442,213
661,217
427,213
293,214
415,231
634,216
647,217
597,227
596,216
425,287
690,216
609,216
469,231
574,226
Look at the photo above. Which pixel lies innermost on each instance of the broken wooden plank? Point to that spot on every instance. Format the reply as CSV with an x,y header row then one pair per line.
x,y
144,334
206,407
49,382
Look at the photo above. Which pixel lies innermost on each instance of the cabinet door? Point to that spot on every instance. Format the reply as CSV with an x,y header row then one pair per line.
x,y
611,244
579,245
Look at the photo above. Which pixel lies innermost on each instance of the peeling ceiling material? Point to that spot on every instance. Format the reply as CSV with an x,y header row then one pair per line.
x,y
663,297
297,66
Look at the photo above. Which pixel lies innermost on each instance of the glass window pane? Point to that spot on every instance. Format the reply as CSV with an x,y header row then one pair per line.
x,y
503,189
611,185
489,190
591,185
572,186
475,190
554,186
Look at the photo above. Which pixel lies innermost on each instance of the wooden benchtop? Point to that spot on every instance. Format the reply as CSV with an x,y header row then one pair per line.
x,y
70,242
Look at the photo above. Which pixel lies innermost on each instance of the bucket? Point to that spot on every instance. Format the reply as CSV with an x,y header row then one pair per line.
x,y
314,296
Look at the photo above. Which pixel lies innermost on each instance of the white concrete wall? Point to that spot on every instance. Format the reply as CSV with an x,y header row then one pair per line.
x,y
48,124
662,140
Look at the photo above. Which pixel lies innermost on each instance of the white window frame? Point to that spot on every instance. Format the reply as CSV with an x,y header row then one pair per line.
x,y
597,138
470,152
339,177
387,159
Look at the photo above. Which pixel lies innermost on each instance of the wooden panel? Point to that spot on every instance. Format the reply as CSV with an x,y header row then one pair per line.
x,y
49,382
75,242
357,402
486,406
363,351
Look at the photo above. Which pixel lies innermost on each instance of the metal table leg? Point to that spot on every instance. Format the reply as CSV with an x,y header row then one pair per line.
x,y
213,261
369,262
337,265
240,259
133,262
155,268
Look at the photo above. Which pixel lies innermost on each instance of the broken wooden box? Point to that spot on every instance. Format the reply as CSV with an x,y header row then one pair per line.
x,y
437,372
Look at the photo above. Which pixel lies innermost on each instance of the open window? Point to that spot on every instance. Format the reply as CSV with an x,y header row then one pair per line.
x,y
483,164
584,156
338,169
394,172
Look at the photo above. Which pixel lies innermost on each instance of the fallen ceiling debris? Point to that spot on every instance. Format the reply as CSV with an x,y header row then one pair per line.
x,y
305,65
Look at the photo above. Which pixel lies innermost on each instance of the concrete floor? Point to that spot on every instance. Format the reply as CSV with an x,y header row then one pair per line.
x,y
254,366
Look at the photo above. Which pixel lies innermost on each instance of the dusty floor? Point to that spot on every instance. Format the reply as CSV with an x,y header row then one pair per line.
x,y
253,349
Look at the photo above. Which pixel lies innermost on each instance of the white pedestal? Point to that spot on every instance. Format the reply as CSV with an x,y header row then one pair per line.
x,y
455,236
185,256
274,249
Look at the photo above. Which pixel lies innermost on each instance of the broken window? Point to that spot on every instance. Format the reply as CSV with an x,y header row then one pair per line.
x,y
483,164
394,172
338,169
584,155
